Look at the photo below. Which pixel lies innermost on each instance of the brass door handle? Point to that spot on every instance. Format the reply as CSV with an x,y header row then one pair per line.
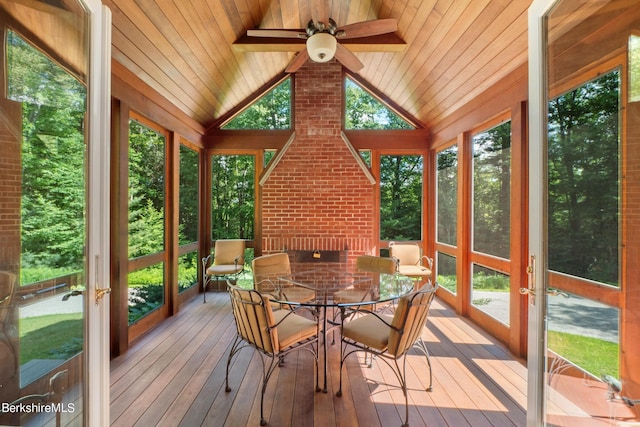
x,y
528,291
100,293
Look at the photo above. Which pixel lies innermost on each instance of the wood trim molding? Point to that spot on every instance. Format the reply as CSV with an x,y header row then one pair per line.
x,y
274,162
358,159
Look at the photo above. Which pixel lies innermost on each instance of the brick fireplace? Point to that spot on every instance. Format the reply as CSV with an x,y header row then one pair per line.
x,y
318,196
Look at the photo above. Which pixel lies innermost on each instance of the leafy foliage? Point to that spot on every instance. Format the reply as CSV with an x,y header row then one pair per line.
x,y
187,271
271,111
146,291
634,68
363,111
401,197
232,198
491,190
447,194
188,213
146,190
53,162
583,191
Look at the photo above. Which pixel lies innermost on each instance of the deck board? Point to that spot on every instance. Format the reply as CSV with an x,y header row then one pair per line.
x,y
175,376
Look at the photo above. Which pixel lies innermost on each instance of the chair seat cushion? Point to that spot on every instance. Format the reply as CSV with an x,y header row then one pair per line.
x,y
351,295
369,330
294,328
297,294
414,271
221,270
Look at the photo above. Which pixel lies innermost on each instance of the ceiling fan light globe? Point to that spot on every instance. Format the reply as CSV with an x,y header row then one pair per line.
x,y
321,47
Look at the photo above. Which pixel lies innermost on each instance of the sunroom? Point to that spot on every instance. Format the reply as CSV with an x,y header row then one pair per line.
x,y
497,135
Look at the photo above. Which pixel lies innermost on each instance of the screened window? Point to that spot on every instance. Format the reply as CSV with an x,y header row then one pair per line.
x,y
634,68
446,272
447,195
491,191
188,213
364,111
232,198
401,197
188,217
490,292
491,218
146,216
271,111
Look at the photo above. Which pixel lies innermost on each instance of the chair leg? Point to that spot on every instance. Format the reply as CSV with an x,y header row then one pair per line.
x,y
205,278
403,384
235,347
268,370
423,347
342,357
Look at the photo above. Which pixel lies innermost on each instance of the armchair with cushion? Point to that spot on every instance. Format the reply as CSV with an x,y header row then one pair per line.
x,y
366,263
411,262
390,336
273,333
267,271
228,260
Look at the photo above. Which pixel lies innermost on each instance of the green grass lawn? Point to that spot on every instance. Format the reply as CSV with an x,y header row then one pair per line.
x,y
594,355
55,336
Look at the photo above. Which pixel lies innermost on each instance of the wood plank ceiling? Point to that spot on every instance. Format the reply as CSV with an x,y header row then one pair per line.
x,y
184,49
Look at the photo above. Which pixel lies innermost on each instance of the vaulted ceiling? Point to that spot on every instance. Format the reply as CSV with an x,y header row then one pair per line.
x,y
455,49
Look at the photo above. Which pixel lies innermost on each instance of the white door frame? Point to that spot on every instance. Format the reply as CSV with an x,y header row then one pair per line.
x,y
96,352
536,350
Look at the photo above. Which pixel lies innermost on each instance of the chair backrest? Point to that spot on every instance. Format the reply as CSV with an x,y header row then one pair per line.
x,y
405,253
254,318
268,268
226,252
409,319
7,293
376,264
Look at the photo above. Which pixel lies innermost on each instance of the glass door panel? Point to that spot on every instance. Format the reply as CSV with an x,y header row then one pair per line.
x,y
581,274
43,223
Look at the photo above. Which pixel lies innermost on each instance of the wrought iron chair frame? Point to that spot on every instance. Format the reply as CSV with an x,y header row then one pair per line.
x,y
414,307
251,309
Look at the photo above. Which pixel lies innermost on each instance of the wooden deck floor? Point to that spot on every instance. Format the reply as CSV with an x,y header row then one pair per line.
x,y
175,376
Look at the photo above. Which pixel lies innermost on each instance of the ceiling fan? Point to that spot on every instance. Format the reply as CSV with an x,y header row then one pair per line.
x,y
324,39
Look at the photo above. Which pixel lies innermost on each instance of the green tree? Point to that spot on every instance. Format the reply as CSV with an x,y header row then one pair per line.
x,y
271,111
401,197
232,198
363,111
491,190
146,190
447,193
583,189
53,160
188,213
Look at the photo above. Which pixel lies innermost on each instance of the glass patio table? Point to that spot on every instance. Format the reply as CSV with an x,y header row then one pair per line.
x,y
341,290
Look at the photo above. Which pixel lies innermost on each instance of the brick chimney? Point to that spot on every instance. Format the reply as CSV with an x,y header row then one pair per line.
x,y
318,197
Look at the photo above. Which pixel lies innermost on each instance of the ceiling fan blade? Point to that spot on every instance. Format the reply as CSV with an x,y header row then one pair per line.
x,y
368,28
348,59
320,11
297,62
277,33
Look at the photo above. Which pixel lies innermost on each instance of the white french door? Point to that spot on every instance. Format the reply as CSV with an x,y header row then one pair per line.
x,y
98,234
578,132
54,230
